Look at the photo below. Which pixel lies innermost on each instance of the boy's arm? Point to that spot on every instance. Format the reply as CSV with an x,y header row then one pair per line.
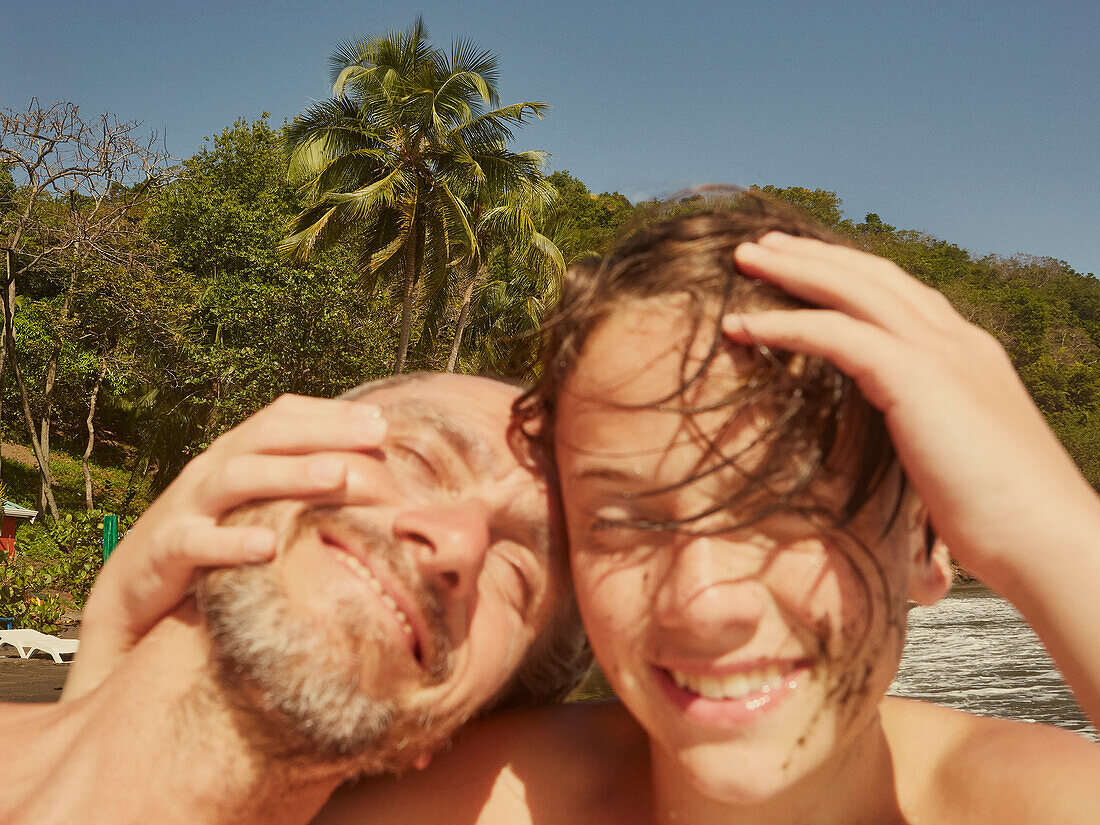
x,y
999,487
295,448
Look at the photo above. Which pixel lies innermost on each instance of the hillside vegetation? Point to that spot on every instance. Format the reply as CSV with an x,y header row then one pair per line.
x,y
188,315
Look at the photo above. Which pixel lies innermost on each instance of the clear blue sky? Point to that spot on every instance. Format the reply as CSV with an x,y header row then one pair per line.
x,y
974,120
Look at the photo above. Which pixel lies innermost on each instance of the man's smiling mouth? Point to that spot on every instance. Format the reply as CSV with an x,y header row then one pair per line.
x,y
410,625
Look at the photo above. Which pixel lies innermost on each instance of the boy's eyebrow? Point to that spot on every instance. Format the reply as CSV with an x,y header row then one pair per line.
x,y
605,472
470,447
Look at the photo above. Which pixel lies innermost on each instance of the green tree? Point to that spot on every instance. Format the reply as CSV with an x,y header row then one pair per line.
x,y
821,204
509,229
385,160
250,325
586,223
80,182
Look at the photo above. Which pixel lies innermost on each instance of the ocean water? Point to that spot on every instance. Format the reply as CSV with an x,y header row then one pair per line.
x,y
974,652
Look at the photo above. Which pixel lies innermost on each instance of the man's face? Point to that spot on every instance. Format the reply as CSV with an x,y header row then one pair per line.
x,y
751,655
384,625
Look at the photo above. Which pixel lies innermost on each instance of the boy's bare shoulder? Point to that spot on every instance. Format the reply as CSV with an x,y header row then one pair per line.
x,y
561,763
956,767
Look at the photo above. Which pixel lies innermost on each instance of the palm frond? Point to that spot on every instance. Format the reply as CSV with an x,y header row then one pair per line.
x,y
459,215
348,171
467,56
376,196
377,258
308,228
549,250
494,124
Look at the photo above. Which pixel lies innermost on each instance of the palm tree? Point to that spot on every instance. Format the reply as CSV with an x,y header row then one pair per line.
x,y
508,302
408,128
511,248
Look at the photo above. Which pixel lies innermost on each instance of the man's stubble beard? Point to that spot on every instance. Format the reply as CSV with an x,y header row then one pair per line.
x,y
293,681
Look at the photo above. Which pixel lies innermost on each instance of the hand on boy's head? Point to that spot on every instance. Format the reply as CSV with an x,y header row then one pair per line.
x,y
970,439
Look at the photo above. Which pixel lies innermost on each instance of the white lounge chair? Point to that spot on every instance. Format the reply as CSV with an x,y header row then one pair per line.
x,y
27,641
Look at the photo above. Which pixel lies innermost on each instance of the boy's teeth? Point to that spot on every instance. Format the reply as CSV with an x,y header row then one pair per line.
x,y
734,686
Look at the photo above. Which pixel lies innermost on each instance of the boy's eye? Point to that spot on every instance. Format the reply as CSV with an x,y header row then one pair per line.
x,y
623,517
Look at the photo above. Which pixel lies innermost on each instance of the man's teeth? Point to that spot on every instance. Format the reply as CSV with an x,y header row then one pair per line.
x,y
734,686
365,573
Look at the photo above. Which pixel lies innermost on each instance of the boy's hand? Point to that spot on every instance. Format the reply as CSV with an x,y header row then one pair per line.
x,y
296,448
998,486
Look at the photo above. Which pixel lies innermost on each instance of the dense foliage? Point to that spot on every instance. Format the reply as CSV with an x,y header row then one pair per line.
x,y
192,317
218,323
53,569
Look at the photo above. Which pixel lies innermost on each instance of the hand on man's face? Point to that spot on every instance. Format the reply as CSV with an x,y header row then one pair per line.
x,y
381,626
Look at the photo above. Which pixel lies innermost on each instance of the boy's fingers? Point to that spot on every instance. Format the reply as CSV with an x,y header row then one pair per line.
x,y
838,277
863,351
825,284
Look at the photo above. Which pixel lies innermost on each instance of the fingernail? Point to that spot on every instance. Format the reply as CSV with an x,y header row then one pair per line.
x,y
370,423
734,322
260,545
368,410
327,471
776,239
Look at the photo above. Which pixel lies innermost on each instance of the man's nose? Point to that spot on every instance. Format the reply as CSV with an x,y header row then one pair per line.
x,y
712,592
449,543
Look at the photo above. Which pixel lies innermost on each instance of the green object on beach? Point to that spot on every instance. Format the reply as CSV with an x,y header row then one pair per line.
x,y
110,534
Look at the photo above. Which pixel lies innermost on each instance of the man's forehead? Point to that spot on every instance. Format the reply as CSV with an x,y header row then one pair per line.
x,y
471,414
490,399
471,445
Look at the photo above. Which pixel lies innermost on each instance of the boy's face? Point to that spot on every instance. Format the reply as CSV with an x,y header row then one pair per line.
x,y
751,655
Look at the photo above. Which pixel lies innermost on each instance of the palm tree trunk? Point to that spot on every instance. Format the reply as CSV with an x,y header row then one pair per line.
x,y
463,318
91,434
406,303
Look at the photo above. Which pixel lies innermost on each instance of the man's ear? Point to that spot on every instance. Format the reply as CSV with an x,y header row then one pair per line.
x,y
930,574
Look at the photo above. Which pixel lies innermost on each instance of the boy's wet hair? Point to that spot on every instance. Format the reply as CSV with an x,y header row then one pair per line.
x,y
816,418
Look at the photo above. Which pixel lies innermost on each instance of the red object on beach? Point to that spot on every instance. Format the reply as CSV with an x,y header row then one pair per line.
x,y
14,516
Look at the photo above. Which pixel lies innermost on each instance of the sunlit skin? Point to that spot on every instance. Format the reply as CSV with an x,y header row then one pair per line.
x,y
779,597
821,609
832,750
466,521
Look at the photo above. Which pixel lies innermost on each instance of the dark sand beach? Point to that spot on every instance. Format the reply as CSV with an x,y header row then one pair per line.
x,y
37,679
30,680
